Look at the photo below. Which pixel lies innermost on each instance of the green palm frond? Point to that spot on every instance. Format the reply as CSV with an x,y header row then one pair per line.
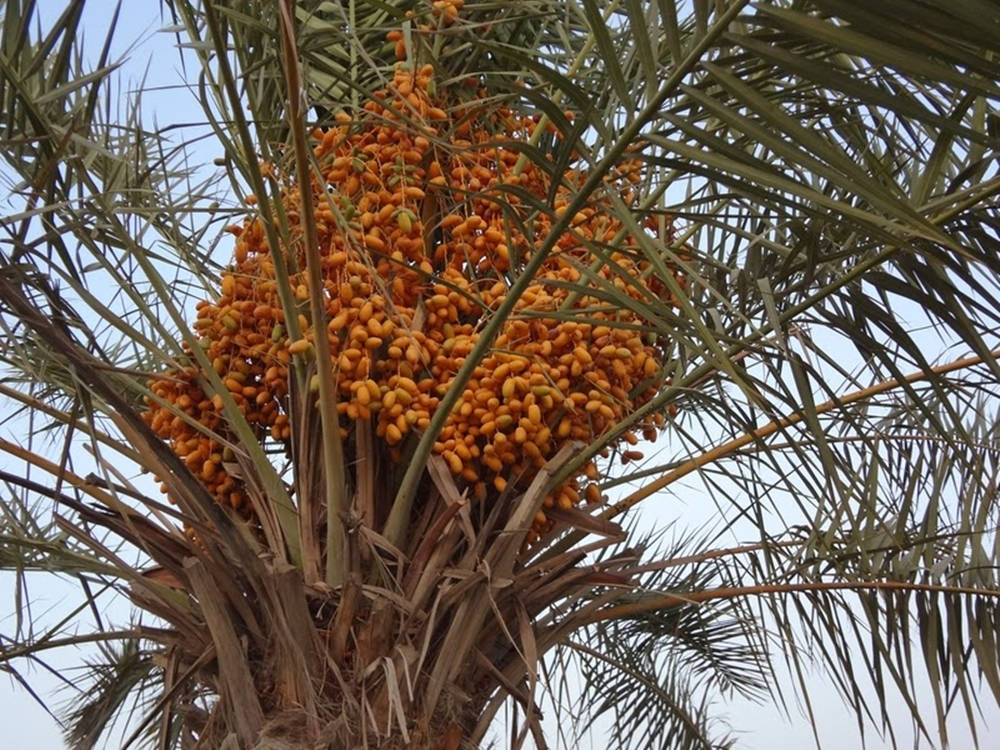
x,y
116,678
670,709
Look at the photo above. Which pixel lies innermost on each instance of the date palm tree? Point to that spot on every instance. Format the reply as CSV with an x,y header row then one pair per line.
x,y
478,307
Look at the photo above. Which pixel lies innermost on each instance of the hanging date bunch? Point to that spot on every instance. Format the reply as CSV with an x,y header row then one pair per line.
x,y
426,214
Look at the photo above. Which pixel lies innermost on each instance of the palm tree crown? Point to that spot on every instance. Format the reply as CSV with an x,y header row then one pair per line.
x,y
470,282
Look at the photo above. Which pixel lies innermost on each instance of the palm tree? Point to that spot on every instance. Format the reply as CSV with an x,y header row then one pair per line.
x,y
760,237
